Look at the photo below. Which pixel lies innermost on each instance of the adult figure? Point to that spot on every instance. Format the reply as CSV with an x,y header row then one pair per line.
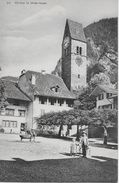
x,y
33,134
84,143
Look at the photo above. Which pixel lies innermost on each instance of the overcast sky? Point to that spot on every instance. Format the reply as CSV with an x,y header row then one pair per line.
x,y
31,34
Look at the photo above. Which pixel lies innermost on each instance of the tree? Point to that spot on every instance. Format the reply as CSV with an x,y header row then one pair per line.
x,y
72,117
100,78
3,99
94,69
88,102
105,118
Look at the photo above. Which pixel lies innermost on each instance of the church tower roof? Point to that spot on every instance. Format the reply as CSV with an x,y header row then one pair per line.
x,y
76,30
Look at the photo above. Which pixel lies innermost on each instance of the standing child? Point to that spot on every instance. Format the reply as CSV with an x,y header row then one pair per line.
x,y
73,147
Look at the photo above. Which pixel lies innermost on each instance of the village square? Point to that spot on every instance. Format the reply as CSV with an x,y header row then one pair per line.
x,y
62,126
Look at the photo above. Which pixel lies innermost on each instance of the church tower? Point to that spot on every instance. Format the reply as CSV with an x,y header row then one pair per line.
x,y
74,53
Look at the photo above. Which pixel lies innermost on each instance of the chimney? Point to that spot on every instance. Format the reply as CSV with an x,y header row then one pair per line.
x,y
33,79
23,71
43,72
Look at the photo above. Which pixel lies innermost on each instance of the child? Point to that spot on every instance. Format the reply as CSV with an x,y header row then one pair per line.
x,y
73,147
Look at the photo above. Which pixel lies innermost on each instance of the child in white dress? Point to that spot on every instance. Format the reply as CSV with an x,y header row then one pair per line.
x,y
73,147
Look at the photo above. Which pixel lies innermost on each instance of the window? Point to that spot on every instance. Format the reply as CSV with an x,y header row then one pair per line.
x,y
42,100
55,88
79,50
52,101
108,95
109,106
14,124
42,112
22,113
78,75
16,103
101,97
4,123
10,112
9,124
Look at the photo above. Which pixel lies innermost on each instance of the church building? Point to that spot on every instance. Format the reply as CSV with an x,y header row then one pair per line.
x,y
74,55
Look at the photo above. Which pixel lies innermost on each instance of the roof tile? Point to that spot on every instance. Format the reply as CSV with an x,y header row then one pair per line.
x,y
45,83
76,30
13,92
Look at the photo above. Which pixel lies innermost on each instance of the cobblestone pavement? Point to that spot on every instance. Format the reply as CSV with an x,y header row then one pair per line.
x,y
45,148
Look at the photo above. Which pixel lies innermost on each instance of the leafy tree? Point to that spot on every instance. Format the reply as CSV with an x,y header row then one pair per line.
x,y
100,78
71,117
88,102
94,69
105,118
3,99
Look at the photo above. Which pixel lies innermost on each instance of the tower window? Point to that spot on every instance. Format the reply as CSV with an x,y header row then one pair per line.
x,y
66,51
77,50
78,75
80,50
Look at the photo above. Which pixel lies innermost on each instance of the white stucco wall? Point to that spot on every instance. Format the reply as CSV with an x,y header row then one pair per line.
x,y
39,109
16,117
104,101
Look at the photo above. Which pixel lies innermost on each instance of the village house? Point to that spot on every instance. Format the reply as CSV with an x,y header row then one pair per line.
x,y
31,96
47,92
14,116
106,97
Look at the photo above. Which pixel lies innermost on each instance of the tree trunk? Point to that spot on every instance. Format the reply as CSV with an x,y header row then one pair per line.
x,y
77,135
60,129
105,136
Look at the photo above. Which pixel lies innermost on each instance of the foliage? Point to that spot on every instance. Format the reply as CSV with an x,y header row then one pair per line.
x,y
88,102
71,117
104,117
94,69
3,100
100,78
103,30
102,47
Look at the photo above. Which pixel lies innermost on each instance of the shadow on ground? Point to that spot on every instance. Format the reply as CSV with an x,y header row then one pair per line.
x,y
59,170
108,146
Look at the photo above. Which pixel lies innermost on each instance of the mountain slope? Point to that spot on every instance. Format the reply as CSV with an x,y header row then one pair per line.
x,y
102,46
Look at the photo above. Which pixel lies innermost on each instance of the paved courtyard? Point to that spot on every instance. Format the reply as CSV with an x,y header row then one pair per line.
x,y
48,160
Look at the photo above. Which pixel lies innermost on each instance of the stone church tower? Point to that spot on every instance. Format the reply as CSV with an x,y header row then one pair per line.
x,y
74,54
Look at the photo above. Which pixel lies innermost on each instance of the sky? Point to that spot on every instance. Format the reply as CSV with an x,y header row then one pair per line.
x,y
31,31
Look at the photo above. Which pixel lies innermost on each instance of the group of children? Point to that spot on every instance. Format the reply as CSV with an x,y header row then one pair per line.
x,y
80,147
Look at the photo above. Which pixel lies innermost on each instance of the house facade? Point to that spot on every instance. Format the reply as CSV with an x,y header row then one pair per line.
x,y
15,115
31,96
106,97
47,92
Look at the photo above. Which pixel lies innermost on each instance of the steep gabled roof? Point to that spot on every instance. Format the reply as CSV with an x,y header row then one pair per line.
x,y
76,30
13,92
103,88
46,82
